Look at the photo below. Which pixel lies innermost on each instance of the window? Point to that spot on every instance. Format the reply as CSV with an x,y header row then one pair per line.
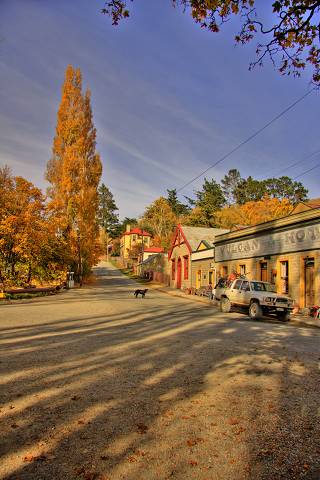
x,y
224,271
284,276
134,238
210,278
173,269
186,267
242,269
237,285
245,286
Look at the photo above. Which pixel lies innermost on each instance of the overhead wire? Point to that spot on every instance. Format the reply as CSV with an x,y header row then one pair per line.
x,y
302,160
247,140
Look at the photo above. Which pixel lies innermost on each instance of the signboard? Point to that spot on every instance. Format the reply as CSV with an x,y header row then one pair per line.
x,y
202,254
291,240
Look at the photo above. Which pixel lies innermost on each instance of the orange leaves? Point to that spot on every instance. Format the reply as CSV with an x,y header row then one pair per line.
x,y
254,212
75,169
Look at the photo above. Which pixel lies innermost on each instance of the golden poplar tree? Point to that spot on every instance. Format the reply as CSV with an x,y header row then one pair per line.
x,y
74,172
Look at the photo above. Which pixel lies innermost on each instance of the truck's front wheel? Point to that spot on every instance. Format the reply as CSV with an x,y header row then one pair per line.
x,y
255,310
225,305
283,316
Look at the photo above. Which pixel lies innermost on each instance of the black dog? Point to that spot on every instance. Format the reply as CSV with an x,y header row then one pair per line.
x,y
141,292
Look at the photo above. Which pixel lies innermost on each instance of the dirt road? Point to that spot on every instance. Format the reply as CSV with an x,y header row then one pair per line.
x,y
96,384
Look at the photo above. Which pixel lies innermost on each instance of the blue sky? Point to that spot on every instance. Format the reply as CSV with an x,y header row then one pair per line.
x,y
168,98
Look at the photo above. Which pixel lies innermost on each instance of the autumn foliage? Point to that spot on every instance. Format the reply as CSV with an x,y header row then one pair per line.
x,y
252,213
74,172
29,247
41,238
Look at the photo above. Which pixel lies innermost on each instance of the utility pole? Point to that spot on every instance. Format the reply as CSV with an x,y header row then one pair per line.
x,y
107,241
79,257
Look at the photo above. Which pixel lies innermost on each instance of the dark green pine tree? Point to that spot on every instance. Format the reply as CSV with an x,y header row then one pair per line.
x,y
229,185
285,187
108,217
177,207
210,199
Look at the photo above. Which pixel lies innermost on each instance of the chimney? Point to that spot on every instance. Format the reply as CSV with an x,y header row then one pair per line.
x,y
128,227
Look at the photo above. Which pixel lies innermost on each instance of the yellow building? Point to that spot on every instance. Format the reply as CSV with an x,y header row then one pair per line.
x,y
131,244
285,252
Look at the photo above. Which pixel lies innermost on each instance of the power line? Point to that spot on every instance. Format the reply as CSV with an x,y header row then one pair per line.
x,y
255,134
302,160
306,171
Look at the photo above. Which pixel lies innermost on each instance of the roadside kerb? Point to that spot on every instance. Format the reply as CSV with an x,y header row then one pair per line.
x,y
295,319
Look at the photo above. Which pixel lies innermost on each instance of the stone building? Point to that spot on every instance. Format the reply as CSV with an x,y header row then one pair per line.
x,y
285,252
156,268
186,269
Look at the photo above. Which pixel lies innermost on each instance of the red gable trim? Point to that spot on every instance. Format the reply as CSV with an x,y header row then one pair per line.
x,y
177,231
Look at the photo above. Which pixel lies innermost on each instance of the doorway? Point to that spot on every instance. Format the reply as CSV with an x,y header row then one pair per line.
x,y
198,279
309,282
179,273
264,271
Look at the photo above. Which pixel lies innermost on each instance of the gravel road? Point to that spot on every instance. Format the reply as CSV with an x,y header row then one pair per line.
x,y
98,385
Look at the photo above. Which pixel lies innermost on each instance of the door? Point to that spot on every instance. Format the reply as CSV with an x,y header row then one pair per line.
x,y
198,279
234,293
245,292
309,282
179,272
264,271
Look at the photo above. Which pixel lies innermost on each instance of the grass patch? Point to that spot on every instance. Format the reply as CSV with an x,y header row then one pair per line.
x,y
23,296
129,273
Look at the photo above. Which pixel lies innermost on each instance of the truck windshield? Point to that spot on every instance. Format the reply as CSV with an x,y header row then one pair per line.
x,y
262,287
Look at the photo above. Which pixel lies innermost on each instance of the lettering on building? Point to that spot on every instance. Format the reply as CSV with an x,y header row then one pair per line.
x,y
279,242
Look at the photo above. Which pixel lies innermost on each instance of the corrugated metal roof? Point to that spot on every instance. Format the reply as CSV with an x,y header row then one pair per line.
x,y
194,235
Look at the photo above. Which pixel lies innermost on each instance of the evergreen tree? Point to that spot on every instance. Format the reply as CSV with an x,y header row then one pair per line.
x,y
178,207
249,190
74,172
229,184
209,200
107,217
285,187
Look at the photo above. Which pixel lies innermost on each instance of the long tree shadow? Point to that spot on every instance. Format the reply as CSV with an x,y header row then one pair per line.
x,y
165,391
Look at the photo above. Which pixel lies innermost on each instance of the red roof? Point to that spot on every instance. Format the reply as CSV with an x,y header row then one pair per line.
x,y
153,249
137,231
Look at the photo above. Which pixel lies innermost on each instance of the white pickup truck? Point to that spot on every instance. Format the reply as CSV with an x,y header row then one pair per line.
x,y
259,297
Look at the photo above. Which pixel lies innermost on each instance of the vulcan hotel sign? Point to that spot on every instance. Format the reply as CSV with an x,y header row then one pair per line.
x,y
291,240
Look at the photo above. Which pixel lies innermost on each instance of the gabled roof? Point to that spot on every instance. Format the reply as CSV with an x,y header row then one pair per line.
x,y
192,236
203,244
153,249
307,205
195,235
137,231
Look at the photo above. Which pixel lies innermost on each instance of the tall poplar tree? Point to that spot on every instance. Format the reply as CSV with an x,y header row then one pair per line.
x,y
74,172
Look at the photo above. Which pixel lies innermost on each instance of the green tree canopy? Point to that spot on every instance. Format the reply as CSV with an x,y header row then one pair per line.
x,y
285,187
178,207
229,184
107,217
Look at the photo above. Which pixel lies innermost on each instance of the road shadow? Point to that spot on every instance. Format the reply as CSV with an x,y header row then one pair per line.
x,y
161,389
